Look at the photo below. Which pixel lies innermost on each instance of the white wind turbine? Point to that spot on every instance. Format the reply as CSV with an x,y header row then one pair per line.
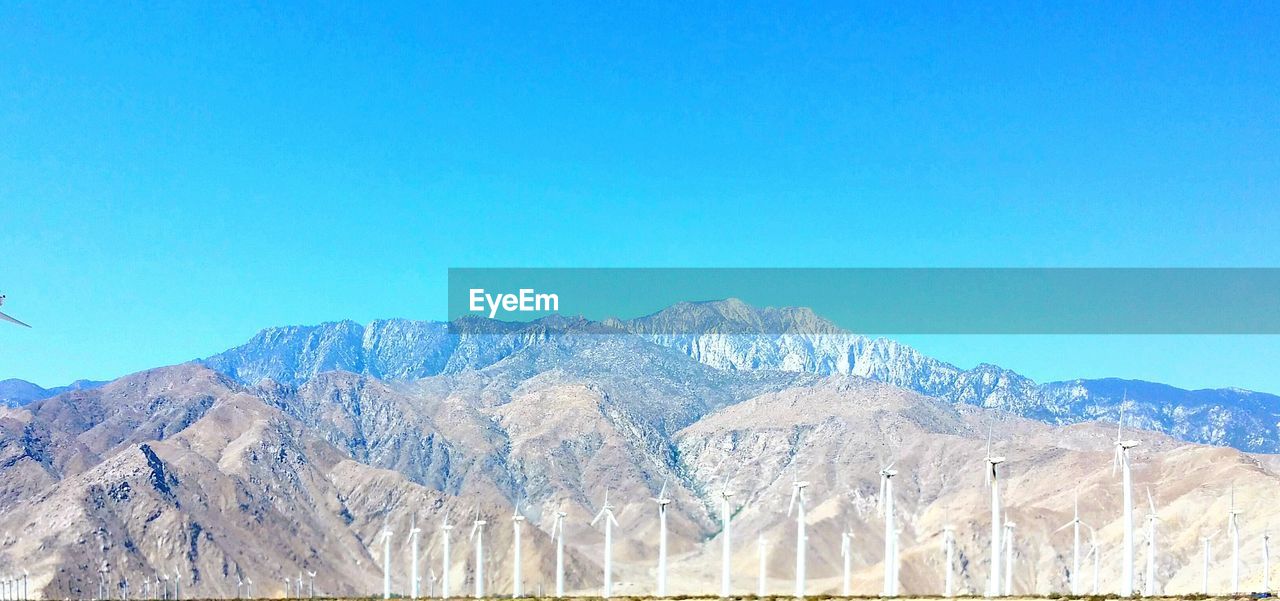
x,y
606,514
557,530
1266,561
477,535
1233,525
725,538
662,501
445,528
1152,518
797,504
1207,557
993,482
517,521
1097,557
413,555
762,551
386,562
846,554
949,551
1008,558
890,531
1074,524
1121,460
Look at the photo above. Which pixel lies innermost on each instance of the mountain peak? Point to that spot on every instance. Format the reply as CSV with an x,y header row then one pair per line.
x,y
732,316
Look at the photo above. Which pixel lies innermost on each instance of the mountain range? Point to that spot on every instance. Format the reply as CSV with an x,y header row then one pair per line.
x,y
792,340
291,454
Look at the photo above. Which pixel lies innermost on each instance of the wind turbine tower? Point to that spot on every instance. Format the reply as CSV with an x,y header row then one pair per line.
x,y
606,514
993,482
413,555
1008,558
949,546
386,562
662,501
726,553
1121,461
1152,518
890,531
557,530
445,528
797,504
517,520
1204,569
846,553
1266,562
1097,557
1233,524
1074,524
477,535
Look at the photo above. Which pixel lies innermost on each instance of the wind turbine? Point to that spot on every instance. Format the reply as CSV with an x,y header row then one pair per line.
x,y
1233,524
1008,558
662,501
949,549
477,535
797,504
1152,518
1266,563
993,482
606,513
413,555
1121,460
846,554
1074,524
445,527
725,538
890,531
762,550
557,530
1093,550
386,561
1204,569
517,520
311,585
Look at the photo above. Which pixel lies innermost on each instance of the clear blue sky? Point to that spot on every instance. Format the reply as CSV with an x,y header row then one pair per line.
x,y
173,179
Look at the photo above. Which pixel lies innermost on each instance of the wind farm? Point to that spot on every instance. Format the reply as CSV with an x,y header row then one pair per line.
x,y
830,486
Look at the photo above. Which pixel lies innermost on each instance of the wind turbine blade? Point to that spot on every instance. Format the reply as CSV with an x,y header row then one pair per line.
x,y
12,320
1064,527
1151,501
881,498
792,504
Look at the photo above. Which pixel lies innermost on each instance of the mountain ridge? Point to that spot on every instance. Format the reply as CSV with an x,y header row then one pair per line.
x,y
797,340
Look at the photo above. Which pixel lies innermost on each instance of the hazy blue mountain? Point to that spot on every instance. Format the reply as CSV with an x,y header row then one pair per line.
x,y
719,335
15,392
